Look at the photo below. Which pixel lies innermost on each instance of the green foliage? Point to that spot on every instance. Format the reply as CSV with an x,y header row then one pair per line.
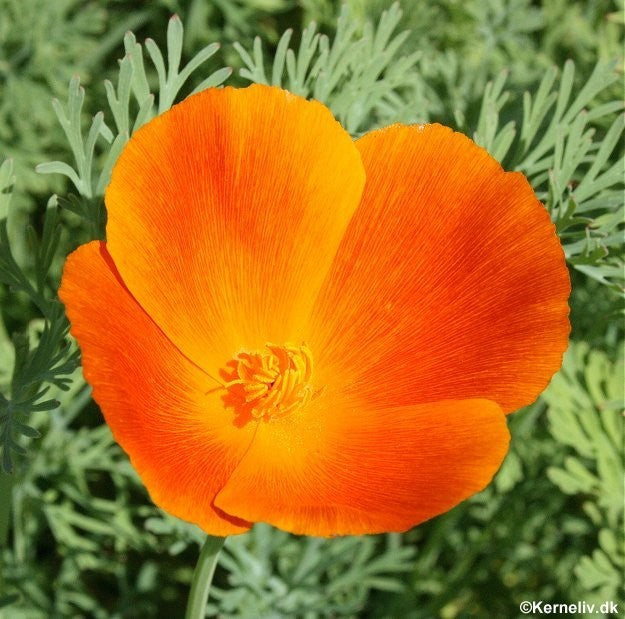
x,y
273,573
586,405
7,179
464,44
229,21
131,105
596,314
578,177
78,534
42,44
357,75
41,357
80,493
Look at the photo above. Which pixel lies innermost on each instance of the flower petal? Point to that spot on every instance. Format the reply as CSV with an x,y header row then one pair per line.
x,y
158,404
450,281
336,467
224,215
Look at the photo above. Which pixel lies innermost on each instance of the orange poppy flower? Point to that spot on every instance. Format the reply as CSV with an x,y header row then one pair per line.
x,y
288,326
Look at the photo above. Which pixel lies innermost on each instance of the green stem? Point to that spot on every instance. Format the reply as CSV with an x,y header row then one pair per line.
x,y
6,486
202,577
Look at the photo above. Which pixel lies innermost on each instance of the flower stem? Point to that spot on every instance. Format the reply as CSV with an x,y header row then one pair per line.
x,y
202,577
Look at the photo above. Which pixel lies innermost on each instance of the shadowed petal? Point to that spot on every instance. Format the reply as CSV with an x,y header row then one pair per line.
x,y
159,405
338,467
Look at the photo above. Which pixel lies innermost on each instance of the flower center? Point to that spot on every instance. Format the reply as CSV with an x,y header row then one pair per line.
x,y
271,383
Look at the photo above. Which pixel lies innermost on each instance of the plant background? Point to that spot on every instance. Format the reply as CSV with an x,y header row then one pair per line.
x,y
78,535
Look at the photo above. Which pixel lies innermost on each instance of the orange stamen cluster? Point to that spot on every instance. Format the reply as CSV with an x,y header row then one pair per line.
x,y
274,382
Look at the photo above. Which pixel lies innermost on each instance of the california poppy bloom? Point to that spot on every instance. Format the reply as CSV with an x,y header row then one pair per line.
x,y
288,326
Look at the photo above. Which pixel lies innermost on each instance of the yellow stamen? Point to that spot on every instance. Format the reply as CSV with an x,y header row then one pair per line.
x,y
272,383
